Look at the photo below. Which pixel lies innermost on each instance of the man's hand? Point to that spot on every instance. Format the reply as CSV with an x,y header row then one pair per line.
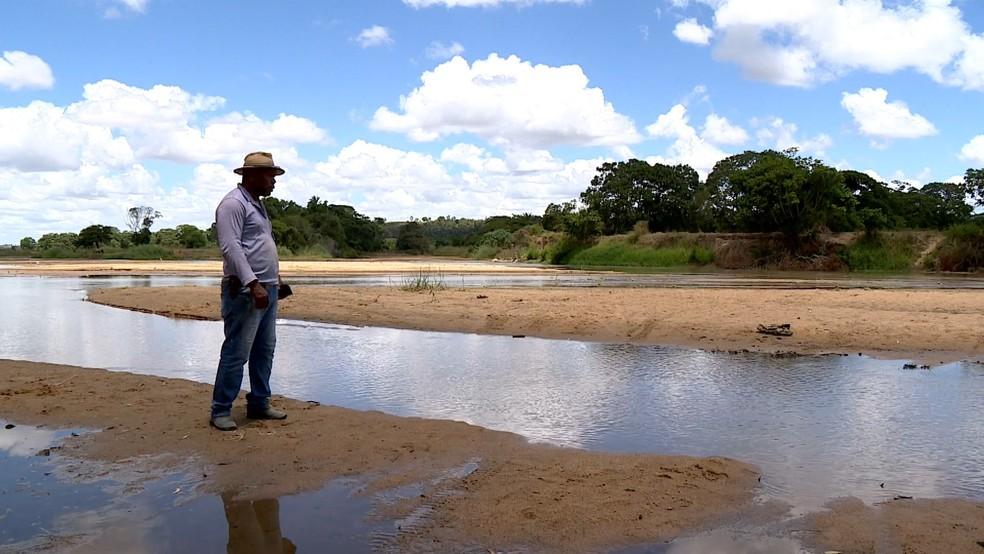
x,y
260,298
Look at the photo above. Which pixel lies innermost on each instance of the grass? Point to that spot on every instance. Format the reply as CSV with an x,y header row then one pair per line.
x,y
621,254
882,252
423,281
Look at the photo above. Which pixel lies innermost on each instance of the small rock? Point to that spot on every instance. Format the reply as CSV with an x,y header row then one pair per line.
x,y
909,366
481,297
9,426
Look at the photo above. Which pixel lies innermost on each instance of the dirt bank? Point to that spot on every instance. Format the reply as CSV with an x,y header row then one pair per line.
x,y
521,494
931,326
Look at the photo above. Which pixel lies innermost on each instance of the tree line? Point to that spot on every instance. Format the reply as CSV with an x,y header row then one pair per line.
x,y
760,192
767,191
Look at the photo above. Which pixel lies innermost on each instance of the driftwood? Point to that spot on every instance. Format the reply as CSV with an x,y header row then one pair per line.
x,y
780,330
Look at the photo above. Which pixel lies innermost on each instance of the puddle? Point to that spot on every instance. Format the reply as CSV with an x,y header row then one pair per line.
x,y
43,508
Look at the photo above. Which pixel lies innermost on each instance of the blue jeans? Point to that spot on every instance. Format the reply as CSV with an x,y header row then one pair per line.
x,y
250,336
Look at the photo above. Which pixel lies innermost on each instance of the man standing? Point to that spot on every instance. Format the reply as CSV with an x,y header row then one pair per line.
x,y
251,275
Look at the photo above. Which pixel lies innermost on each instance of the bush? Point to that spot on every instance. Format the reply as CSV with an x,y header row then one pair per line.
x,y
140,252
423,281
485,252
451,251
881,252
962,249
59,252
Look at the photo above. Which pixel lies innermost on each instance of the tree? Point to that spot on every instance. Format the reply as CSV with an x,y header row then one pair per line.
x,y
57,240
28,243
583,225
974,183
949,204
95,236
167,238
782,191
190,236
141,217
626,192
555,214
412,239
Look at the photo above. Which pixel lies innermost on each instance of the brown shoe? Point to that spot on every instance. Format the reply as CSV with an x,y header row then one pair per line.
x,y
265,413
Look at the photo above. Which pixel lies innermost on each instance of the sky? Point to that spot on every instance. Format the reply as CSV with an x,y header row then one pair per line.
x,y
468,108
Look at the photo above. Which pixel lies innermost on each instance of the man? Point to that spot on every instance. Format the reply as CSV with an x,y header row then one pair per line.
x,y
251,275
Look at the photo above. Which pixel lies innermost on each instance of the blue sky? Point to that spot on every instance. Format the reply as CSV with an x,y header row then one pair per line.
x,y
509,105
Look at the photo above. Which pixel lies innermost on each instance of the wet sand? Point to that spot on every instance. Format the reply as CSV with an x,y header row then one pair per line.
x,y
931,326
537,496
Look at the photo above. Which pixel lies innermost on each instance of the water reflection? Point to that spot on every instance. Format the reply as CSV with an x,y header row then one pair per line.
x,y
818,427
254,527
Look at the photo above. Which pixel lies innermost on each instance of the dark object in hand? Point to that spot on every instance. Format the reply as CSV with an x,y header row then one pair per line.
x,y
283,291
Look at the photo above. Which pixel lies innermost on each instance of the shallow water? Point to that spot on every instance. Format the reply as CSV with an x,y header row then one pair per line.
x,y
818,427
45,508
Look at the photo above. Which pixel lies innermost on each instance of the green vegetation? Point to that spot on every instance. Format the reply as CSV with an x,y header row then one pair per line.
x,y
623,254
423,281
882,252
961,250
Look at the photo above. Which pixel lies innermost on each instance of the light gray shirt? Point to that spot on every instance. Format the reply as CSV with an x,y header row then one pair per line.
x,y
246,238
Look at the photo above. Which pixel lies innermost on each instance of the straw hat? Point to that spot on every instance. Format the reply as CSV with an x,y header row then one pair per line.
x,y
259,160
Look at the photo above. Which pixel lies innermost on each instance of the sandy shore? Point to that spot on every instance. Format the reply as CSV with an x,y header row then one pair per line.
x,y
931,326
521,494
297,268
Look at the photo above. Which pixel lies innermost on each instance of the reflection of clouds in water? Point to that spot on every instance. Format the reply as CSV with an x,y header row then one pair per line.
x,y
497,382
817,427
23,440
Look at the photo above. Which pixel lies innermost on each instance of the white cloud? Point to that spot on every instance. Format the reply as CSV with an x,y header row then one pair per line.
x,y
809,41
876,117
377,35
483,3
719,130
509,102
689,30
20,70
162,123
688,147
474,158
383,181
973,151
42,137
779,135
440,51
122,6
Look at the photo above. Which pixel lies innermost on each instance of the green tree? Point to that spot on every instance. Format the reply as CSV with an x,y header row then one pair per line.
x,y
95,236
167,238
626,192
583,225
412,239
950,205
57,240
974,183
190,236
28,243
782,191
555,215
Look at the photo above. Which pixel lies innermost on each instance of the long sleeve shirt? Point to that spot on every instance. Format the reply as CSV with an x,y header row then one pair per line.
x,y
245,237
